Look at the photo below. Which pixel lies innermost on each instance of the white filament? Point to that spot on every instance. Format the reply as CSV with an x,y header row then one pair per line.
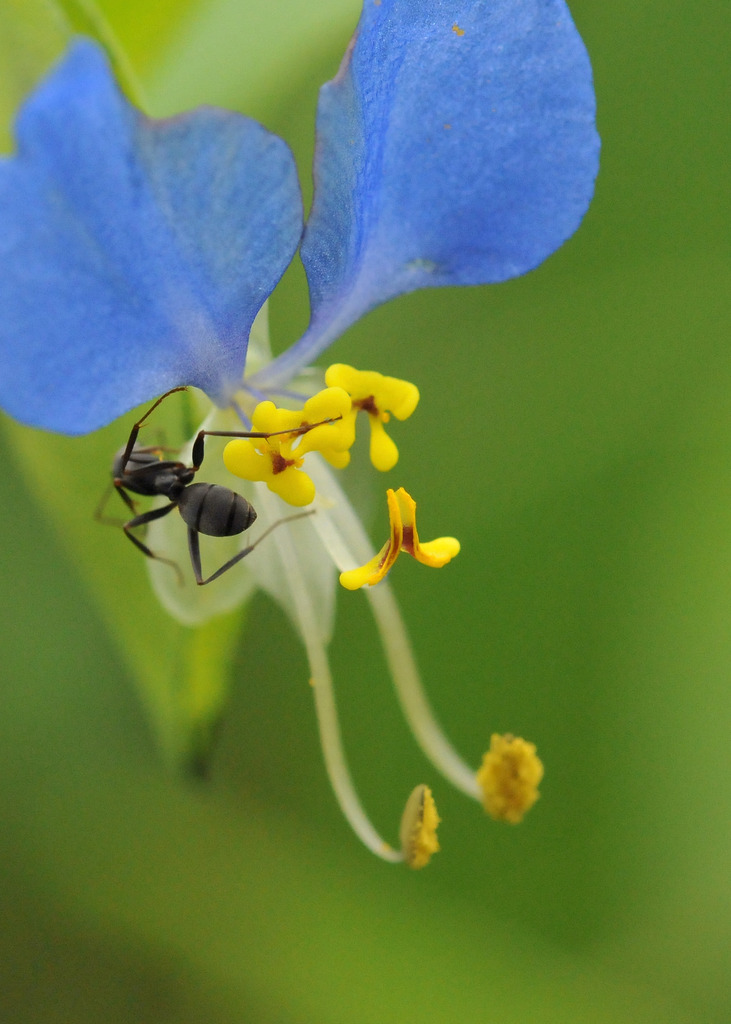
x,y
306,623
343,535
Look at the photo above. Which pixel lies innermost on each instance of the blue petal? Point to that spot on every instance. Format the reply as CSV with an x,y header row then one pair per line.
x,y
134,254
455,146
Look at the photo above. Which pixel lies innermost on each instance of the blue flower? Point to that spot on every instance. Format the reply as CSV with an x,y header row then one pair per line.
x,y
455,146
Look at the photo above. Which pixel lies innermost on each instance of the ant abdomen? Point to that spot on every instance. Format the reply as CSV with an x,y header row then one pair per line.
x,y
215,510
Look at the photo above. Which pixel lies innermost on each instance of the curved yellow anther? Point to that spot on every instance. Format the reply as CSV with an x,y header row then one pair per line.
x,y
277,460
379,396
509,777
404,537
418,832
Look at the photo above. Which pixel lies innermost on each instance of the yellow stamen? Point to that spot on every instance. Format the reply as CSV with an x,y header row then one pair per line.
x,y
277,460
404,537
418,831
379,396
509,777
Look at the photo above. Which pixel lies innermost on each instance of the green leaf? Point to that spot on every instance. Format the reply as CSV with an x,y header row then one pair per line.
x,y
33,34
248,55
145,29
181,674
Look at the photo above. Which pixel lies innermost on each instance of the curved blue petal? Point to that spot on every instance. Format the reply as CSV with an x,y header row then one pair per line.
x,y
456,145
134,254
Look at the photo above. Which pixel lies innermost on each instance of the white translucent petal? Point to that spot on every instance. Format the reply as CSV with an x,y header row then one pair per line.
x,y
293,552
168,537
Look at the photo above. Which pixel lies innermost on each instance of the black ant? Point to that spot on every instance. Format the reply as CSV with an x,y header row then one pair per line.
x,y
206,508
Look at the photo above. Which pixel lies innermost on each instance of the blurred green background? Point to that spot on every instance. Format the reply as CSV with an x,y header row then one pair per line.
x,y
581,453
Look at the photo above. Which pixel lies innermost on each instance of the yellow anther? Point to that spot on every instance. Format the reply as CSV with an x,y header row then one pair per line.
x,y
509,777
402,515
418,832
380,397
277,460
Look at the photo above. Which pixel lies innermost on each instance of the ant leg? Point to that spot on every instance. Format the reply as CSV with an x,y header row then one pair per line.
x,y
198,445
103,501
131,441
102,504
117,484
195,551
194,548
195,559
143,520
